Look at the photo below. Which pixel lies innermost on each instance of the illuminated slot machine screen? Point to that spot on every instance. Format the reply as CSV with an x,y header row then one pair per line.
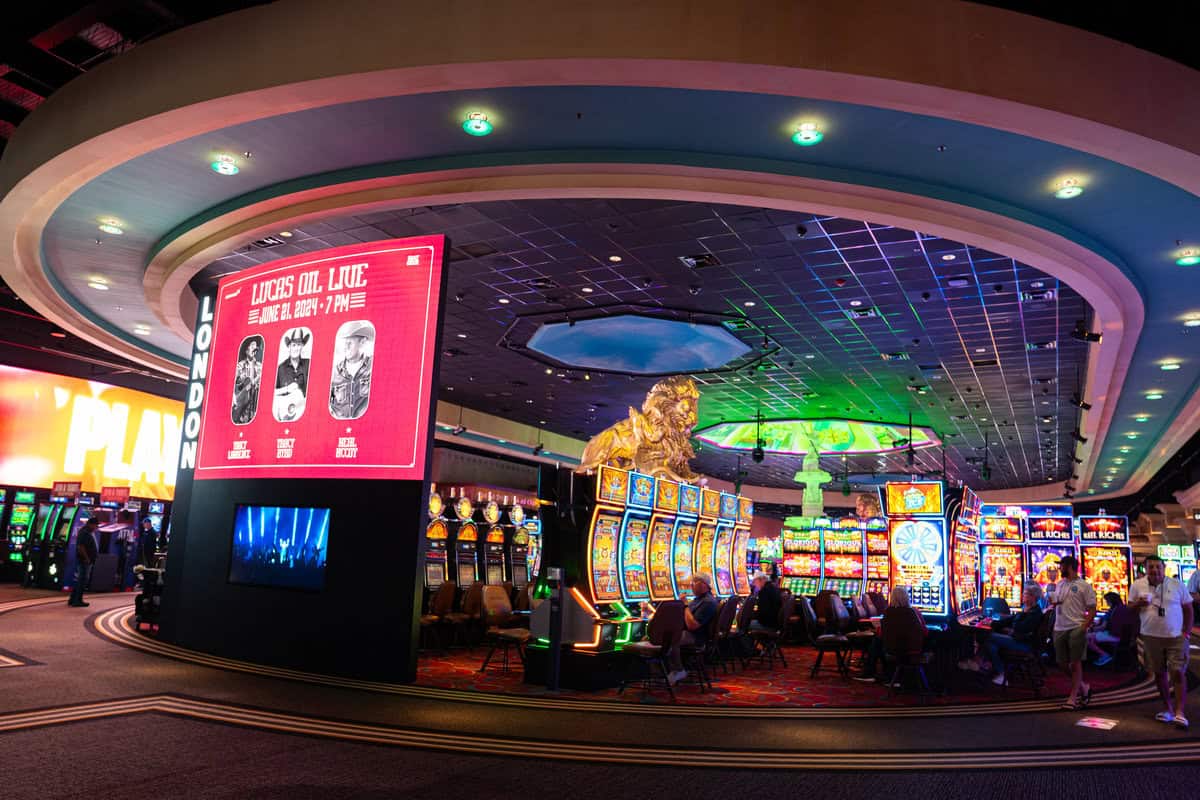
x,y
842,567
801,573
742,569
1043,561
464,551
436,536
1002,572
520,558
722,560
706,541
878,560
1107,569
602,553
684,551
494,556
965,579
1001,529
918,552
633,558
661,530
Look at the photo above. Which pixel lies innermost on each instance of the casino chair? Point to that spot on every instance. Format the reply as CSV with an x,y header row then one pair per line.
x,y
737,641
721,635
839,639
1028,668
768,640
650,654
440,606
878,601
500,627
996,607
468,618
903,646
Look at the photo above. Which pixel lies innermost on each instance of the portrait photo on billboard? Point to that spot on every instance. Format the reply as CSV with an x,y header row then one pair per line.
x,y
350,385
247,380
291,375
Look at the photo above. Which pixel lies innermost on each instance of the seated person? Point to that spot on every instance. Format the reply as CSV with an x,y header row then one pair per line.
x,y
696,616
902,631
1109,632
1016,632
768,606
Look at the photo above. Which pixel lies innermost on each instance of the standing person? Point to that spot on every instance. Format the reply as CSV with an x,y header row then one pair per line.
x,y
768,605
1074,610
85,556
1166,611
1193,586
696,616
1016,633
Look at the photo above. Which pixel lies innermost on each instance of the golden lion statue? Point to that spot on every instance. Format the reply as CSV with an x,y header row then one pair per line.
x,y
654,440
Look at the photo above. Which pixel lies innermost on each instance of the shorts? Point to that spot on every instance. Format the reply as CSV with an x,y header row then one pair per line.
x,y
1069,645
1164,652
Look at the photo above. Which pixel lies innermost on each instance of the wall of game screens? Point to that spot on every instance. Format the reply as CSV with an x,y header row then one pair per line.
x,y
846,555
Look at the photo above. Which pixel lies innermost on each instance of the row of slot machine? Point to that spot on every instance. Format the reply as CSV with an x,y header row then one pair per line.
x,y
473,540
1025,543
846,555
1180,559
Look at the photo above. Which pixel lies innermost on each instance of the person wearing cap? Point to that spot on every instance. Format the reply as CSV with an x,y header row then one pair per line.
x,y
1074,610
1166,610
696,616
768,604
85,556
350,389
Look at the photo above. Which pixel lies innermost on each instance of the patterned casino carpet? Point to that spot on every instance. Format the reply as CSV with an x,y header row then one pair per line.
x,y
756,686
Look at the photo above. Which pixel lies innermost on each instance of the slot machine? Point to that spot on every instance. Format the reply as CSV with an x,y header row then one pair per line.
x,y
800,566
466,543
964,561
493,545
633,539
3,521
706,532
19,521
437,536
919,547
662,534
1002,559
878,561
518,549
1105,558
157,511
742,569
1179,559
770,553
842,558
683,547
1049,536
59,564
722,567
604,575
38,546
533,529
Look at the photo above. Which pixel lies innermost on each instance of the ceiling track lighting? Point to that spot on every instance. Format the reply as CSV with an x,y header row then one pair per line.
x,y
1079,403
1077,436
1082,334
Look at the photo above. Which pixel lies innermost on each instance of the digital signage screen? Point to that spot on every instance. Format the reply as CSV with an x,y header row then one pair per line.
x,y
917,499
321,365
918,551
280,546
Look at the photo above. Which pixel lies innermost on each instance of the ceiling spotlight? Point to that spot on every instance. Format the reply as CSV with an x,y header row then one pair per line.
x,y
459,429
615,259
1141,418
1188,258
1067,188
1169,366
1154,396
949,257
1078,403
855,303
807,134
503,301
141,330
111,226
477,124
1077,436
1194,322
225,164
1131,435
98,286
1081,333
58,334
749,304
758,454
587,290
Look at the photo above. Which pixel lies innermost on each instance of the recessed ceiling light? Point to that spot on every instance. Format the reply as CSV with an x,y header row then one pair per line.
x,y
58,334
749,304
1131,435
98,286
1194,322
110,226
477,124
587,290
461,335
1037,284
1067,188
529,402
949,257
1168,366
549,371
503,301
1125,449
286,234
225,164
980,349
587,376
1154,396
856,303
141,330
615,259
1118,461
1141,418
809,356
1188,258
807,134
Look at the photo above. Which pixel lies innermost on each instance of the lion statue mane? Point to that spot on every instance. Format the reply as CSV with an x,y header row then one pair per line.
x,y
654,440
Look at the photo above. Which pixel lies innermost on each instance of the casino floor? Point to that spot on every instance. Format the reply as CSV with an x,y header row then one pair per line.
x,y
80,681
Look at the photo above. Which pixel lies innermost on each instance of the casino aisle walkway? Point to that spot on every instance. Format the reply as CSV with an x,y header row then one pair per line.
x,y
193,726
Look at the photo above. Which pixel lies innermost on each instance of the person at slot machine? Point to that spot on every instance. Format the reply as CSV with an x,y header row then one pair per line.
x,y
768,605
1074,610
1118,617
901,631
697,615
1166,612
1016,632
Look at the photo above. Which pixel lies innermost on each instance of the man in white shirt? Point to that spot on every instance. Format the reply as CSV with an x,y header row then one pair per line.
x,y
1166,609
1074,609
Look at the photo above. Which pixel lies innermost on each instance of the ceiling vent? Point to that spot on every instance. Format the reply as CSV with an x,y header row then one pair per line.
x,y
541,283
267,241
1037,297
862,313
738,324
990,362
899,356
1042,345
478,249
1045,381
958,283
700,261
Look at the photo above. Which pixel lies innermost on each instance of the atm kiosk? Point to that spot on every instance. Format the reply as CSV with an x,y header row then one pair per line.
x,y
875,534
437,536
662,530
19,521
1049,537
633,540
741,546
1105,558
1002,559
842,558
683,547
800,568
919,546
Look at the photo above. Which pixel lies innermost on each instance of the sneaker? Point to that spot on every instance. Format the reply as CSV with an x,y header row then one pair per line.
x,y
1180,721
864,678
1000,679
676,677
1102,660
1165,716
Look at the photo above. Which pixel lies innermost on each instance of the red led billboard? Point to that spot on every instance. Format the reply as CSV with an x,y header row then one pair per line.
x,y
322,365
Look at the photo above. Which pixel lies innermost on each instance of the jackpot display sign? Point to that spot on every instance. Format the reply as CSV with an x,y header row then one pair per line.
x,y
322,365
1107,570
915,499
919,561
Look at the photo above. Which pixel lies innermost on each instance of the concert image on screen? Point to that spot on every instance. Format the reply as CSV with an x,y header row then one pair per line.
x,y
280,546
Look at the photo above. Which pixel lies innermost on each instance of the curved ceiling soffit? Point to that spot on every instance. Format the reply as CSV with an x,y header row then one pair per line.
x,y
1116,301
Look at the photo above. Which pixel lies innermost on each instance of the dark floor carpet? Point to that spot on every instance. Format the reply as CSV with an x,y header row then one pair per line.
x,y
151,757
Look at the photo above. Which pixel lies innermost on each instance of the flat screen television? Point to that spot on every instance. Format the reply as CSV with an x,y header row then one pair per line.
x,y
279,546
